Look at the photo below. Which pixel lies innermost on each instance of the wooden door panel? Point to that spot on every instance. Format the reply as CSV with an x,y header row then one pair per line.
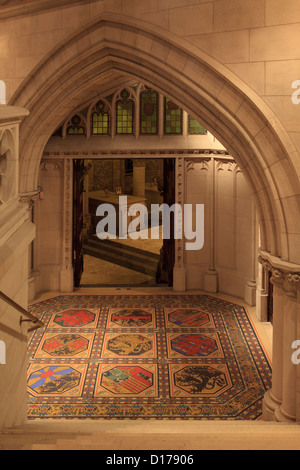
x,y
78,187
167,259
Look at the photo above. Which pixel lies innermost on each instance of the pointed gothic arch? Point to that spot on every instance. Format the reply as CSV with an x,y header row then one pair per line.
x,y
114,49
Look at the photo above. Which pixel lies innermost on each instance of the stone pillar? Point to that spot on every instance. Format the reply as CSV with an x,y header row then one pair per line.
x,y
33,275
118,174
287,410
251,286
67,272
179,272
139,178
262,295
86,217
297,358
280,403
211,275
273,398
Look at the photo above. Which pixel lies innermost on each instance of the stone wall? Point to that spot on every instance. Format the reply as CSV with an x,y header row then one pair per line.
x,y
257,40
16,235
48,218
230,226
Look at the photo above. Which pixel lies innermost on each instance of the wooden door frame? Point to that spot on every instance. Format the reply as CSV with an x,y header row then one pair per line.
x,y
78,185
182,160
177,246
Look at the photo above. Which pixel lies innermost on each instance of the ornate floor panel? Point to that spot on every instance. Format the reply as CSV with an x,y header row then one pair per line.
x,y
145,357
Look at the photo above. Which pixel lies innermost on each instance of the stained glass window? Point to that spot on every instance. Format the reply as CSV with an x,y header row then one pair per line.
x,y
76,126
124,111
100,119
148,112
195,127
173,118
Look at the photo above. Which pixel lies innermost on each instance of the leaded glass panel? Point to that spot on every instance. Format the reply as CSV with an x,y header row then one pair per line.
x,y
195,127
100,120
76,126
124,111
173,118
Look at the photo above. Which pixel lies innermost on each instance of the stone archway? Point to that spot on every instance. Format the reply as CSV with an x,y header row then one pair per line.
x,y
111,49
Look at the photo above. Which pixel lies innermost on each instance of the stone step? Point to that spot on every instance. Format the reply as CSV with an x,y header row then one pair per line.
x,y
137,260
118,246
153,436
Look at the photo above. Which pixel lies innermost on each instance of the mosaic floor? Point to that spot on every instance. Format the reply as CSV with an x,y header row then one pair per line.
x,y
150,356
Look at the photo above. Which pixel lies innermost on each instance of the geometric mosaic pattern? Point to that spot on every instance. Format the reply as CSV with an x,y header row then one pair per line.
x,y
144,357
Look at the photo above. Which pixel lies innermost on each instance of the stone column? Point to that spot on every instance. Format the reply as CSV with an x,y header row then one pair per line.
x,y
280,403
211,275
287,410
262,295
251,286
67,272
139,178
29,199
86,216
297,358
179,271
273,398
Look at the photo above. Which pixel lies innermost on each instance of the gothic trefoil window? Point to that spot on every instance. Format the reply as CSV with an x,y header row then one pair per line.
x,y
76,126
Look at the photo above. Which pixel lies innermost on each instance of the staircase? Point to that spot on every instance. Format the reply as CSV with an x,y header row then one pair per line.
x,y
180,436
121,254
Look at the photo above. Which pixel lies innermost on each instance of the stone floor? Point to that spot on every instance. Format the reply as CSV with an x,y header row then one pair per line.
x,y
134,435
263,329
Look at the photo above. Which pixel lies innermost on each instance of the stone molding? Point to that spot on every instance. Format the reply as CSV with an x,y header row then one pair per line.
x,y
68,215
190,163
180,199
29,198
89,154
51,165
282,272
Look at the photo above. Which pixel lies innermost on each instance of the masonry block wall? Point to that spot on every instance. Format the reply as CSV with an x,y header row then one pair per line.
x,y
16,235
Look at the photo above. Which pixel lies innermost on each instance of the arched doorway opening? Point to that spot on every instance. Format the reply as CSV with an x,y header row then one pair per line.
x,y
140,256
116,50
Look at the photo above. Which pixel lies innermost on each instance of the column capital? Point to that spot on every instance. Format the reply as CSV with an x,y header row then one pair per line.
x,y
282,271
29,198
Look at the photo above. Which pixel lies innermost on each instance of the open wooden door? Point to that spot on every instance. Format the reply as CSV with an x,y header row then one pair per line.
x,y
78,186
167,255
